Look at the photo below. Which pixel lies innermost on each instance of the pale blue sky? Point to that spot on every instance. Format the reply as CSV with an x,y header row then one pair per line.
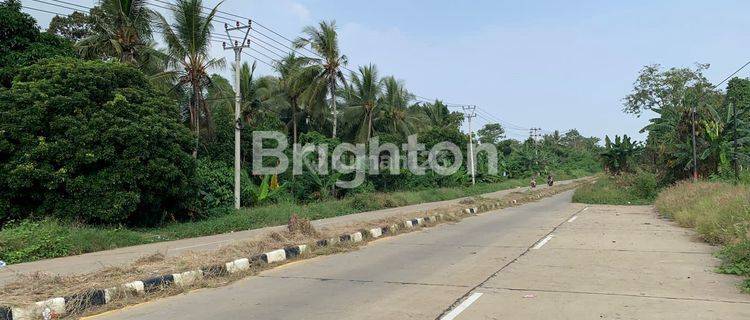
x,y
551,64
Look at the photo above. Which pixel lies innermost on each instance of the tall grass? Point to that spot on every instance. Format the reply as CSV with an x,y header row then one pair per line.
x,y
629,189
720,213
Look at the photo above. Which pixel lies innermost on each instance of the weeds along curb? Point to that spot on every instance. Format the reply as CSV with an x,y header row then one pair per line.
x,y
77,303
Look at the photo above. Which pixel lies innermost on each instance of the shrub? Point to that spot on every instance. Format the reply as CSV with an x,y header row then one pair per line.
x,y
215,181
626,189
94,142
645,186
735,259
31,240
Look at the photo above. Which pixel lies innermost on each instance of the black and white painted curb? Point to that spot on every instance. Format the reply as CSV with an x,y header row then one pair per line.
x,y
60,306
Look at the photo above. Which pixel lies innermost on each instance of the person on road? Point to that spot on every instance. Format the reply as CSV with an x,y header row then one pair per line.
x,y
533,182
550,180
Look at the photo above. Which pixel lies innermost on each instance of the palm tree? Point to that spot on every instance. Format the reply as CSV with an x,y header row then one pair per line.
x,y
294,80
396,116
324,41
363,95
122,30
189,41
438,116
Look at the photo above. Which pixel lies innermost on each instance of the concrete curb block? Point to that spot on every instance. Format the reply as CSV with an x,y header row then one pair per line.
x,y
61,306
375,232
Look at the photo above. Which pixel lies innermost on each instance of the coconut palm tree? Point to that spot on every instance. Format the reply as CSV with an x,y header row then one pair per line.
x,y
362,95
122,30
294,81
324,41
396,115
438,116
189,40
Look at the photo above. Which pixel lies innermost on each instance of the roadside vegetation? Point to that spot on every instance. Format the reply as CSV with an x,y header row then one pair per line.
x,y
30,240
720,213
713,195
29,288
109,141
628,189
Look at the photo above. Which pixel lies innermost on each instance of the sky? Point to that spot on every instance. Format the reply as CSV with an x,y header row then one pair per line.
x,y
555,65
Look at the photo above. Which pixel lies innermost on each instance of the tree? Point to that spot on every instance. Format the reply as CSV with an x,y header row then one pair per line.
x,y
92,141
324,41
21,43
294,80
74,27
122,31
396,115
362,95
438,115
491,133
618,155
655,88
189,42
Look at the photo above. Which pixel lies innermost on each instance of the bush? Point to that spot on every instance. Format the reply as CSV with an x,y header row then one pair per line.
x,y
29,241
627,189
94,142
215,181
736,259
645,186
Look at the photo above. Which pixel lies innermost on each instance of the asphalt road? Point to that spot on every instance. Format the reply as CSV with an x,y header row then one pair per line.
x,y
545,260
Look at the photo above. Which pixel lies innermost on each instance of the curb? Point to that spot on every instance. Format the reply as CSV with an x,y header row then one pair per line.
x,y
61,306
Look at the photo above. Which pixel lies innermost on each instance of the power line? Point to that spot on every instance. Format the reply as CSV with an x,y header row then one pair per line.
x,y
221,17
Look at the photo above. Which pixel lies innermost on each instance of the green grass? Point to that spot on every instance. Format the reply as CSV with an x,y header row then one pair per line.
x,y
720,213
633,189
35,240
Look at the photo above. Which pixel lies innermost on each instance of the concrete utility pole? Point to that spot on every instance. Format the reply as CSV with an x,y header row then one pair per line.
x,y
695,150
470,112
534,134
237,46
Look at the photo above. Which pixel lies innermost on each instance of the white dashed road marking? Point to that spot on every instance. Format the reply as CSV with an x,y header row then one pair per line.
x,y
461,307
543,242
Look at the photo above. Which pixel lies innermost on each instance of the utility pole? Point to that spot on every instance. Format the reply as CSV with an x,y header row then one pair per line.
x,y
237,46
470,112
735,160
534,134
695,150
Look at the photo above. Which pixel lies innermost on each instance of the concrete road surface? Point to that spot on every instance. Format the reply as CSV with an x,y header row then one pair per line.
x,y
545,260
123,256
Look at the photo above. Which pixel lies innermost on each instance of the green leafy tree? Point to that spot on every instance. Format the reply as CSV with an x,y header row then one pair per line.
x,y
21,43
92,142
74,27
491,133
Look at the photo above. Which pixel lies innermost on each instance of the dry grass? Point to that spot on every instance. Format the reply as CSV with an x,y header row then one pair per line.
x,y
720,212
39,286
